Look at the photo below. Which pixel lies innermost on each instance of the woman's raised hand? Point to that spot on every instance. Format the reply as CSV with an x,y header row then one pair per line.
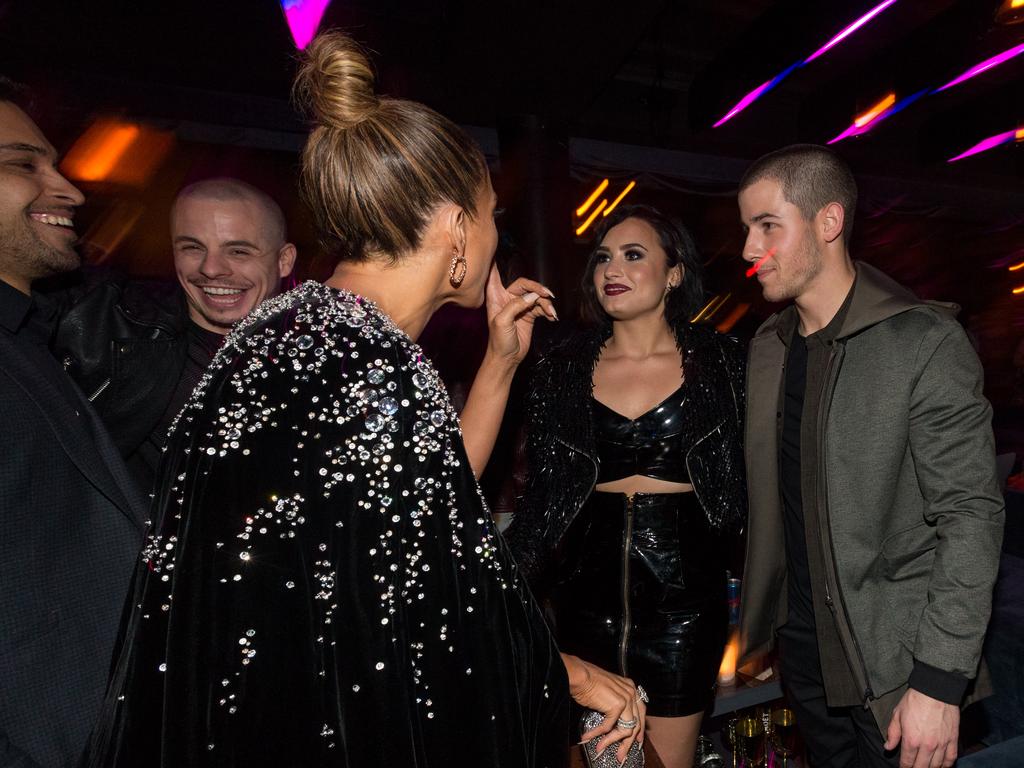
x,y
615,697
511,313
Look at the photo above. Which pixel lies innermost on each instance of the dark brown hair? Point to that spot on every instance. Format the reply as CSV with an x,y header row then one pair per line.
x,y
13,92
683,301
375,168
811,177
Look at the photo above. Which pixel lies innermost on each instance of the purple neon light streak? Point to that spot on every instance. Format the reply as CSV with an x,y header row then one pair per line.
x,y
984,66
761,90
989,143
849,30
304,18
745,102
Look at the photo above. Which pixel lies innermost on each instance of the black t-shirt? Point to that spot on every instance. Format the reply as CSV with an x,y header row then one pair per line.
x,y
801,609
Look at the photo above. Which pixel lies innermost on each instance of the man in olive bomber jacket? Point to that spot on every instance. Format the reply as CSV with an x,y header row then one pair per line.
x,y
875,515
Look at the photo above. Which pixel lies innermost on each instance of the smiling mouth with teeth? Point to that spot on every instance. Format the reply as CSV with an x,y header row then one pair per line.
x,y
212,290
52,219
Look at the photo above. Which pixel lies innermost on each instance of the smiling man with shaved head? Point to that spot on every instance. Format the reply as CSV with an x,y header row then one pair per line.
x,y
138,348
70,519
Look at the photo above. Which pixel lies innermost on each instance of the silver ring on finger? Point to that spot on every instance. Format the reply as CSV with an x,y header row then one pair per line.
x,y
641,695
626,725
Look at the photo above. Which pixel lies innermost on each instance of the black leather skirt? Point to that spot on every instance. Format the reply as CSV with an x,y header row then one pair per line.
x,y
641,591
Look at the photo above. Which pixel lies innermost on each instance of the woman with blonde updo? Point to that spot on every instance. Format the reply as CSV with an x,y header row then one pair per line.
x,y
322,584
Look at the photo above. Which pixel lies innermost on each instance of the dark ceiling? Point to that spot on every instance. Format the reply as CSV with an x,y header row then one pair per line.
x,y
648,73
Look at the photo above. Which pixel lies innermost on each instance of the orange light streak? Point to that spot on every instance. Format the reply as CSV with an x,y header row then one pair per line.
x,y
727,669
110,148
875,111
593,196
1017,291
1020,266
618,199
590,219
1017,3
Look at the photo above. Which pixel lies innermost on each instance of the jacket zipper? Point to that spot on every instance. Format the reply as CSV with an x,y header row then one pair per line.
x,y
627,618
99,391
833,596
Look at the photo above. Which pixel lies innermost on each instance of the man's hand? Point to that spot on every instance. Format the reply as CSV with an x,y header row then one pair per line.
x,y
928,730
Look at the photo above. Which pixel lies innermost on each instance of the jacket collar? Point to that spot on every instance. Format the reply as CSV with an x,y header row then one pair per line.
x,y
876,298
155,303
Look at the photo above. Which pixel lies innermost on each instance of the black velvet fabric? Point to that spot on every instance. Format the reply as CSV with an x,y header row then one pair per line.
x,y
650,605
323,580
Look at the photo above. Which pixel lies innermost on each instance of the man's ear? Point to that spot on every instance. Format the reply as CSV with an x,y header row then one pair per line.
x,y
831,221
286,260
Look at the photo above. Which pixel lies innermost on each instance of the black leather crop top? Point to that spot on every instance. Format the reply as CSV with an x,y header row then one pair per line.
x,y
653,444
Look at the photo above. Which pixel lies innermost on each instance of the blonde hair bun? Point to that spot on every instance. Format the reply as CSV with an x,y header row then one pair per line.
x,y
335,83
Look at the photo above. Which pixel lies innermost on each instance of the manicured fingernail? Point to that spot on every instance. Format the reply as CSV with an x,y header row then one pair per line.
x,y
551,294
530,297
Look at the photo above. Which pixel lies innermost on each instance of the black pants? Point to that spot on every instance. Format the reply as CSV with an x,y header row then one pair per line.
x,y
835,737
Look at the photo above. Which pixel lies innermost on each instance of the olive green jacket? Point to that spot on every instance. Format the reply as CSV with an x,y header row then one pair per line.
x,y
910,508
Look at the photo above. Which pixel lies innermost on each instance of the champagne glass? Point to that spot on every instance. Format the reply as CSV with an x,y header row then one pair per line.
x,y
751,741
784,736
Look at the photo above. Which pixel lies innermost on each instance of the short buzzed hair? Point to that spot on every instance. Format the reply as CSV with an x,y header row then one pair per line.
x,y
811,177
226,188
12,92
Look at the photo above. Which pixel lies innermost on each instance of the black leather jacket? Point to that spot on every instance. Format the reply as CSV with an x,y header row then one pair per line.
x,y
562,463
124,342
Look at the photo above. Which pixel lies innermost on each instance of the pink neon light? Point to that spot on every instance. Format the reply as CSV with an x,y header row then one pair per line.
x,y
989,143
744,103
846,32
304,17
984,66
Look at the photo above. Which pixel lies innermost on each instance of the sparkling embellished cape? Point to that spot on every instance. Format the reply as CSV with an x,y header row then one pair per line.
x,y
322,583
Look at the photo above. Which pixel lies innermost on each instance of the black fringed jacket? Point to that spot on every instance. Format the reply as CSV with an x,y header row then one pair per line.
x,y
562,463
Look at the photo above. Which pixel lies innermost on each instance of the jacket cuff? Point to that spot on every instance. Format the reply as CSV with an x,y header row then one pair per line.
x,y
948,687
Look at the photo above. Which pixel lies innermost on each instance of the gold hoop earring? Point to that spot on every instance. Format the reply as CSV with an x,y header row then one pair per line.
x,y
458,269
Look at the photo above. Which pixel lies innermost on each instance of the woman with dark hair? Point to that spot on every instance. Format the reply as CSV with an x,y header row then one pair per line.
x,y
322,583
635,476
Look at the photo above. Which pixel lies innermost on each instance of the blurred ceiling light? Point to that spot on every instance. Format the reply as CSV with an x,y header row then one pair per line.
x,y
990,143
1017,267
590,219
876,119
304,17
733,317
593,196
113,151
617,200
984,66
1018,290
762,89
875,111
1011,12
849,30
711,307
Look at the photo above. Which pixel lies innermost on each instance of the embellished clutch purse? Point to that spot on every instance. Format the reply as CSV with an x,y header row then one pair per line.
x,y
607,759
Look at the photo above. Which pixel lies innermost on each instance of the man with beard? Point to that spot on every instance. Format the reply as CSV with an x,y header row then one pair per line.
x,y
875,514
70,519
138,348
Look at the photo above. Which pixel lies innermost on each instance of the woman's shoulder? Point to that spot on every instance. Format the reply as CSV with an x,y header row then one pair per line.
x,y
701,339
